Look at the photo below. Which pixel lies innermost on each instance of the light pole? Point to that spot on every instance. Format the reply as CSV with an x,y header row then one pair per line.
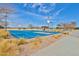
x,y
5,12
48,21
6,21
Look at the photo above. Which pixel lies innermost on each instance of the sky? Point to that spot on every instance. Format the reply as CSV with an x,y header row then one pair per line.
x,y
38,14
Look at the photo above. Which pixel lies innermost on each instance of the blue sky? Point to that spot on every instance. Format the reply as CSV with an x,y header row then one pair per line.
x,y
36,14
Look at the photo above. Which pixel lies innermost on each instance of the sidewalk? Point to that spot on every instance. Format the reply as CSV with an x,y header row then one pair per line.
x,y
67,46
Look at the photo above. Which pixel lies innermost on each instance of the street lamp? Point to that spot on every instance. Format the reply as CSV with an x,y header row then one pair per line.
x,y
48,21
48,18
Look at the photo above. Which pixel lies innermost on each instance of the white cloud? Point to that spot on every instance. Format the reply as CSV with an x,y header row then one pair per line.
x,y
34,14
57,13
46,9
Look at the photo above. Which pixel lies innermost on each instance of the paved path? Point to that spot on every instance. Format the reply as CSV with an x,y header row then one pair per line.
x,y
67,46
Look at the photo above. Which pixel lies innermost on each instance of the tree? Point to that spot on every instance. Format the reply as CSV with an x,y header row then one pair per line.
x,y
44,27
1,27
73,25
58,26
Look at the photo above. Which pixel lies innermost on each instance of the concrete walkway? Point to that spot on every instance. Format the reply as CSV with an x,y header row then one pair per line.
x,y
67,46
